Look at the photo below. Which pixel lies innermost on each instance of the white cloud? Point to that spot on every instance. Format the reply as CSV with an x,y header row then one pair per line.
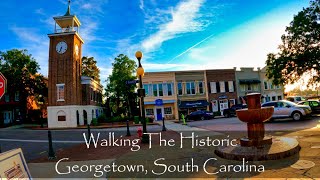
x,y
184,19
86,6
40,11
141,5
37,45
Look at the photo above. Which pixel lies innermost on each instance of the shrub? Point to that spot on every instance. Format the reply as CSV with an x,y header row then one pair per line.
x,y
94,122
102,118
136,119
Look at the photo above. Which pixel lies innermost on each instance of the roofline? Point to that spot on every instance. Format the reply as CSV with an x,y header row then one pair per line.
x,y
68,33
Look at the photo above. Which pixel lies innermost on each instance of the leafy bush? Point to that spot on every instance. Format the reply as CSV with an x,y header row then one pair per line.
x,y
119,119
94,122
136,119
102,118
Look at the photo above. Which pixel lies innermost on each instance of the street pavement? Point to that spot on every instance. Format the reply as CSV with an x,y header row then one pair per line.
x,y
34,143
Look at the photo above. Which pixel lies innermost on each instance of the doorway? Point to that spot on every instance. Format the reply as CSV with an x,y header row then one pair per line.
x,y
85,117
159,114
78,121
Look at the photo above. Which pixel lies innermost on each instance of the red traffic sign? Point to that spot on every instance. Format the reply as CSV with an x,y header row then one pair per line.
x,y
3,84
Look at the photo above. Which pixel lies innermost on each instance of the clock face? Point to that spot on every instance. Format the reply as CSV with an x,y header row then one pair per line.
x,y
61,47
76,49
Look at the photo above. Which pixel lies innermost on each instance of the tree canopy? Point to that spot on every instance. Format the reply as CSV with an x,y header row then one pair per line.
x,y
117,91
300,49
21,72
89,68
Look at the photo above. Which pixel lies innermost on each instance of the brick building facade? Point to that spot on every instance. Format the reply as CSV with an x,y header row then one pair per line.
x,y
222,92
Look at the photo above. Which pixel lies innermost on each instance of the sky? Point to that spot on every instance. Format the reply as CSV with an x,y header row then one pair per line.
x,y
172,34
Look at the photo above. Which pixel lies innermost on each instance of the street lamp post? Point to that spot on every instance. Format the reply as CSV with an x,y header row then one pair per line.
x,y
141,93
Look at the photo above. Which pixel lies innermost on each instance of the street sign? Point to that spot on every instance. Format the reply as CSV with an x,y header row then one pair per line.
x,y
3,84
132,82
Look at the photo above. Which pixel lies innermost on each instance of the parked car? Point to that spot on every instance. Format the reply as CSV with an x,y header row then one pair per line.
x,y
201,114
314,104
295,98
232,110
285,109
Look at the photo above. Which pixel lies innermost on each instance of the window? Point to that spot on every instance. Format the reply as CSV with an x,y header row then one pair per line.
x,y
6,98
91,94
200,84
265,85
160,89
243,87
314,103
16,96
179,88
273,98
155,89
279,97
271,86
146,88
230,84
278,86
149,112
190,88
213,87
169,86
255,87
168,110
193,90
60,92
222,86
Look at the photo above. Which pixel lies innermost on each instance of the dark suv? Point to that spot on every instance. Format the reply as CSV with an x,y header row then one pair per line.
x,y
201,114
232,111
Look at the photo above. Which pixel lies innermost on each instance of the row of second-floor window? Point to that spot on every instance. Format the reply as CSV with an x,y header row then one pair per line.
x,y
159,89
221,87
249,87
190,88
16,97
269,85
95,96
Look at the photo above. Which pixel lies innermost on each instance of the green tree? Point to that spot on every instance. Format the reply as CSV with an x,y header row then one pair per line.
x,y
21,72
300,48
117,91
89,68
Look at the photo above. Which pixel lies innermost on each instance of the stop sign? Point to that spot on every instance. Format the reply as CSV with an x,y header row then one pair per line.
x,y
3,83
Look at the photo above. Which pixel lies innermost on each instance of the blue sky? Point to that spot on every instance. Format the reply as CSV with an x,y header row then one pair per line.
x,y
172,34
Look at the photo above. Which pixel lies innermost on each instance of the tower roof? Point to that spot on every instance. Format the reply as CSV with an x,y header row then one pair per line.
x,y
68,10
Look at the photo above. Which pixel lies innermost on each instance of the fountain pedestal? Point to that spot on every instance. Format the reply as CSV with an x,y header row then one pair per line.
x,y
257,146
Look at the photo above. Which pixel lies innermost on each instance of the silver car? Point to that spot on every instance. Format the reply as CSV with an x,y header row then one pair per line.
x,y
285,109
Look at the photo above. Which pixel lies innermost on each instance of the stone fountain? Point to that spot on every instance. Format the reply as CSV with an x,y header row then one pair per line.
x,y
257,146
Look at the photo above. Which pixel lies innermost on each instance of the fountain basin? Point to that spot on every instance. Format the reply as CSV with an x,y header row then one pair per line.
x,y
255,115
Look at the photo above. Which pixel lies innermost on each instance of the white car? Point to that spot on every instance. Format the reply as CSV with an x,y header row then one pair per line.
x,y
285,109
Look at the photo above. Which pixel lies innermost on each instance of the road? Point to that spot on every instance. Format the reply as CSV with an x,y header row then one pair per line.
x,y
234,124
34,143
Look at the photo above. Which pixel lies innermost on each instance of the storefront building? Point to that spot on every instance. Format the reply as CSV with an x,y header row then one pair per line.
x,y
161,100
191,91
222,92
269,91
247,81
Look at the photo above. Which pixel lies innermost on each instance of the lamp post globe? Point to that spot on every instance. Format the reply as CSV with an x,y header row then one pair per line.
x,y
139,55
140,71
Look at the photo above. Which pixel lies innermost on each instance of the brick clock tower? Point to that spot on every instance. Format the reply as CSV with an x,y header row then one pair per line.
x,y
65,87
